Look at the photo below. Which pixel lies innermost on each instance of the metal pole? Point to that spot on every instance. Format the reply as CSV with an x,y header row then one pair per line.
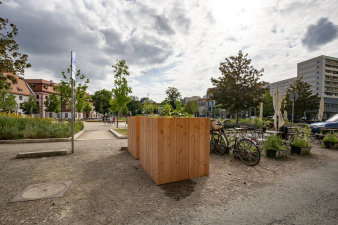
x,y
293,107
73,67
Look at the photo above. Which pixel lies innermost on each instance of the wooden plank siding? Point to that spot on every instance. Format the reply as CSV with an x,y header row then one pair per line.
x,y
134,136
172,149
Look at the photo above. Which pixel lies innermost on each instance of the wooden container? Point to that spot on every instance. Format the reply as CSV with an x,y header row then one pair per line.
x,y
174,149
134,136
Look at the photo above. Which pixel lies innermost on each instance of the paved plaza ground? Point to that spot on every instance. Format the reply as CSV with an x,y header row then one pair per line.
x,y
110,187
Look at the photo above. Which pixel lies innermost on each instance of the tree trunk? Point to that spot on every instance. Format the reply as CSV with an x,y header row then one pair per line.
x,y
237,115
117,121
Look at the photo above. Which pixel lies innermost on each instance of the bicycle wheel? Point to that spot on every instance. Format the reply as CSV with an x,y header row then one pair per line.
x,y
248,152
222,145
212,143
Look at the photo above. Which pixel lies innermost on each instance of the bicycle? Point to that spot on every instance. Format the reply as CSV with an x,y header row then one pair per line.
x,y
217,141
244,148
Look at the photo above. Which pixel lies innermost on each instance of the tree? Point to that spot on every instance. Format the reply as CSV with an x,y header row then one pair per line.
x,y
191,107
7,101
268,109
121,89
101,101
305,102
87,108
30,106
134,106
167,109
64,89
12,61
238,87
149,107
172,95
53,104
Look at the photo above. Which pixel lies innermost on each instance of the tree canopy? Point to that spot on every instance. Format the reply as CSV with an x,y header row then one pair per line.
x,y
268,109
101,101
134,106
238,88
53,103
30,106
121,89
7,101
305,102
172,95
191,107
12,60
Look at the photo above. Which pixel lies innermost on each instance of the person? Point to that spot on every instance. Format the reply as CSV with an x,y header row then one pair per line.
x,y
114,120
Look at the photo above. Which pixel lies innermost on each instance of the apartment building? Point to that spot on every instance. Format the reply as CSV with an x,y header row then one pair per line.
x,y
283,85
42,89
21,91
322,74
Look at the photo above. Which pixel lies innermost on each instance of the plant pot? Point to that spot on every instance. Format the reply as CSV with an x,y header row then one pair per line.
x,y
276,153
300,150
331,145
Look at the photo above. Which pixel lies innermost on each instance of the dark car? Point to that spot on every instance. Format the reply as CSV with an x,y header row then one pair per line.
x,y
330,123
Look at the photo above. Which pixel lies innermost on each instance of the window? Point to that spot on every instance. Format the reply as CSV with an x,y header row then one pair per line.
x,y
317,83
46,97
317,67
37,96
21,105
317,72
318,78
317,89
20,97
51,115
317,61
38,103
66,115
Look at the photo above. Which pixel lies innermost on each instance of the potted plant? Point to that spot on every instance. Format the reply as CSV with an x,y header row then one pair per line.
x,y
273,147
331,140
301,142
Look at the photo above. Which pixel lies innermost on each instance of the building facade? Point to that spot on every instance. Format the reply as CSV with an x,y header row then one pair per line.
x,y
283,85
22,91
42,89
322,74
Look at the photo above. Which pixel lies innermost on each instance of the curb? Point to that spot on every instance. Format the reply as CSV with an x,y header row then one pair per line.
x,y
32,155
119,136
44,140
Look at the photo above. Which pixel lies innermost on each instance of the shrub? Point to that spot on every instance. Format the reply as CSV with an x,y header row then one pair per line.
x,y
17,127
273,142
302,138
331,137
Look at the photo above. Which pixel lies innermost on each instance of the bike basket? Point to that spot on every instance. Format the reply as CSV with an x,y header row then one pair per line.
x,y
214,124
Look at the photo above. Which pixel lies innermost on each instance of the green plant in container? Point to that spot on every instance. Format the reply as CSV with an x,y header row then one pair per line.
x,y
301,142
331,140
273,147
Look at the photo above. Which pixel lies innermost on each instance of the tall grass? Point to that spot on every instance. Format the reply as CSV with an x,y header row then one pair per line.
x,y
17,127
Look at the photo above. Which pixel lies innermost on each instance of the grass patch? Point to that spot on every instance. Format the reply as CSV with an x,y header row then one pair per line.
x,y
17,127
122,131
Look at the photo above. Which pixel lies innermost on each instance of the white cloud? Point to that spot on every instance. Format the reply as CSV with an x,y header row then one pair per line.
x,y
166,43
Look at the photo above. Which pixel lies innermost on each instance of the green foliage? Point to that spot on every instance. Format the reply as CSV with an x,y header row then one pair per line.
x,y
302,138
255,123
268,109
53,103
331,137
12,61
167,109
173,95
238,87
305,102
87,107
18,128
102,100
7,101
149,108
191,107
135,105
30,106
273,142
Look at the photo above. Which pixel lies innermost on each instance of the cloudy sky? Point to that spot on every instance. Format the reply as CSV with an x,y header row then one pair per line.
x,y
170,43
